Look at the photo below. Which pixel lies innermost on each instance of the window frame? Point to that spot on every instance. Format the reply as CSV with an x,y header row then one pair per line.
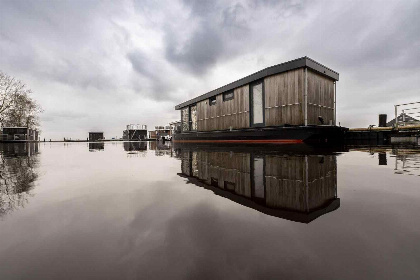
x,y
228,98
211,99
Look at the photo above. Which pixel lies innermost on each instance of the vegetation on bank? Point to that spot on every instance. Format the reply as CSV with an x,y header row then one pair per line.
x,y
17,107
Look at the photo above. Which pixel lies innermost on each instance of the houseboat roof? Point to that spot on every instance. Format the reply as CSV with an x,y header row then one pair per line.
x,y
269,71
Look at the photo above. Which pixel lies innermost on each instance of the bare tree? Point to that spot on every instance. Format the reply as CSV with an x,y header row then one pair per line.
x,y
17,108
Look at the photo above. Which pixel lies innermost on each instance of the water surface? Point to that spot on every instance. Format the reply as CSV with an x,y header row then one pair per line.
x,y
137,210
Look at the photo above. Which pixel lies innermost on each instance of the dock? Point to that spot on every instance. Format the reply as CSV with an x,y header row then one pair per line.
x,y
384,135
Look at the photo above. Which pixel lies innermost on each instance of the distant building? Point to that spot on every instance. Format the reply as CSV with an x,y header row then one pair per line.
x,y
135,132
96,136
19,133
160,131
404,119
176,126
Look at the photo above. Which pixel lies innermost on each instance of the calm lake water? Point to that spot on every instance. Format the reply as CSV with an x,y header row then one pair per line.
x,y
151,211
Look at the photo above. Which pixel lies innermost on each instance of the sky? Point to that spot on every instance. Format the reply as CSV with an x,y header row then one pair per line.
x,y
100,65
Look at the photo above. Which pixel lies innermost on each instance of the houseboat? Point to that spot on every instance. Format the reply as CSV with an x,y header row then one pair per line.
x,y
135,132
96,136
19,134
290,102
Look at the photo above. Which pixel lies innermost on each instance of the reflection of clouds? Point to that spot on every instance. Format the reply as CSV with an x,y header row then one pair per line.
x,y
18,164
204,242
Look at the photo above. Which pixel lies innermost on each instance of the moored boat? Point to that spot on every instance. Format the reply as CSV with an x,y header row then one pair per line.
x,y
290,102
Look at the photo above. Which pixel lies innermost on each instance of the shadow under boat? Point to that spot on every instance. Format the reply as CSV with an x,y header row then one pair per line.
x,y
294,186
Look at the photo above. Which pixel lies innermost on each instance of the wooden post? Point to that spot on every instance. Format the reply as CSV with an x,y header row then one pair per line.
x,y
305,97
335,103
396,117
403,115
306,184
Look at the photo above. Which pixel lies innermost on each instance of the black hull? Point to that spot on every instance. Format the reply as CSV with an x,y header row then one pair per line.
x,y
295,134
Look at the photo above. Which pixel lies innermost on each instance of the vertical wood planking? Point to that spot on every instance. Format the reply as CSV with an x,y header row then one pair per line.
x,y
320,98
283,98
283,103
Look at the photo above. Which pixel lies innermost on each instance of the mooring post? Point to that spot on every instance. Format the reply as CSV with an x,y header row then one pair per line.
x,y
396,116
335,103
382,120
305,99
403,115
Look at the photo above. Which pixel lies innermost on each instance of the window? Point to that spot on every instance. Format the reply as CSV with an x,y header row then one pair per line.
x,y
193,116
185,118
212,101
230,186
257,99
228,96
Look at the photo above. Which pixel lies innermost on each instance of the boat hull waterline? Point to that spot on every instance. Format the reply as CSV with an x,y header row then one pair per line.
x,y
283,135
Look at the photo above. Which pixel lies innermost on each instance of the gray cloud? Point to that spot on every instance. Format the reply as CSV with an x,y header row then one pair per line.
x,y
133,57
216,27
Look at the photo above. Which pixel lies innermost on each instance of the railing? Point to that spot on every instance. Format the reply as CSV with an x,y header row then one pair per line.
x,y
407,110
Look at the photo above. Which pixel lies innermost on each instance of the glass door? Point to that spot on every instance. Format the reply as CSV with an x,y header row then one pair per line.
x,y
257,104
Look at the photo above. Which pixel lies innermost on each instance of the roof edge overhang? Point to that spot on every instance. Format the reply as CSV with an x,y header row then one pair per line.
x,y
273,70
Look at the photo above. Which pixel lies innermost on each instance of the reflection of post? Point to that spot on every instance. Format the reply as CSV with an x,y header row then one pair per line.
x,y
404,159
382,159
396,160
306,185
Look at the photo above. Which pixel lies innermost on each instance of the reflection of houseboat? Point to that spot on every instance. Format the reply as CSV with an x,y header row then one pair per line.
x,y
289,102
161,148
19,149
294,187
93,147
135,146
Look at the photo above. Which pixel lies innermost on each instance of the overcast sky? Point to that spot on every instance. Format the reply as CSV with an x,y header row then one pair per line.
x,y
99,65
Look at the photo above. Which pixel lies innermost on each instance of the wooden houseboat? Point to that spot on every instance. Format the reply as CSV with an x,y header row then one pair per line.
x,y
135,132
289,102
19,134
96,136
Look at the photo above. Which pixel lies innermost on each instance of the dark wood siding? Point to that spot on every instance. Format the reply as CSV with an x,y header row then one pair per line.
x,y
227,114
284,103
284,98
320,98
